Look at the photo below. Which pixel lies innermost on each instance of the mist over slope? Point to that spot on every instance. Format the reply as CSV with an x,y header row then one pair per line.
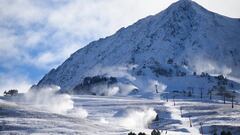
x,y
166,48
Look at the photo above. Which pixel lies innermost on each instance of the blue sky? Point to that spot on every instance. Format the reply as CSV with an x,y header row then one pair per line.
x,y
38,35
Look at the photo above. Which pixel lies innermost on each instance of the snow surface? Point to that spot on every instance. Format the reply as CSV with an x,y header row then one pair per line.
x,y
196,40
153,61
119,116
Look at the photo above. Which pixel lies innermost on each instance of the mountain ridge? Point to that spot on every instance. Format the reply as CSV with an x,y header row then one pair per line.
x,y
186,35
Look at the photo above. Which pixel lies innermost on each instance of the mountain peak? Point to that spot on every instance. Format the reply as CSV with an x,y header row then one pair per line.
x,y
186,5
182,4
172,43
186,1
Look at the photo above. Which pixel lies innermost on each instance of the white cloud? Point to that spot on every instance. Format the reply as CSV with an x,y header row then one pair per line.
x,y
228,8
14,81
7,42
70,24
32,38
24,12
44,33
45,58
50,59
101,18
39,34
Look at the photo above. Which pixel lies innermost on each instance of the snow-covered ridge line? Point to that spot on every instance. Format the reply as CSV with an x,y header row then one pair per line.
x,y
167,47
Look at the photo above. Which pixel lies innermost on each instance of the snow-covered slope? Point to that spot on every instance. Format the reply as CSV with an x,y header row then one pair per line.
x,y
166,48
117,116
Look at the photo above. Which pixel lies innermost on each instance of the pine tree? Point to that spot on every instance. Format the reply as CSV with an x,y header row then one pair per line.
x,y
131,133
141,133
223,133
155,132
228,133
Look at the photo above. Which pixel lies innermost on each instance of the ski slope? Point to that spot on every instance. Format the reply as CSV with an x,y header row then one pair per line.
x,y
118,116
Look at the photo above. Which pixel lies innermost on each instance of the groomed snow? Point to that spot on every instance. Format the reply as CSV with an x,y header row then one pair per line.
x,y
117,116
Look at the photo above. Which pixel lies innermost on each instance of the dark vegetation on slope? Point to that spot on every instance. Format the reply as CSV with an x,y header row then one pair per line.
x,y
89,82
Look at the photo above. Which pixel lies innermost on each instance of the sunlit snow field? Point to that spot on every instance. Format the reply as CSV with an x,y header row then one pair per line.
x,y
88,115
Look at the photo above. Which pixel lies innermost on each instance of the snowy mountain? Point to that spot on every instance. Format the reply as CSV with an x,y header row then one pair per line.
x,y
169,50
182,63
